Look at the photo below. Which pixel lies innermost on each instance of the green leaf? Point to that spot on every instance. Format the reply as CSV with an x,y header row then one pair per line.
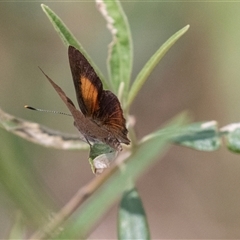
x,y
69,39
151,64
120,49
39,134
141,159
232,136
17,181
202,136
18,230
65,34
100,157
132,221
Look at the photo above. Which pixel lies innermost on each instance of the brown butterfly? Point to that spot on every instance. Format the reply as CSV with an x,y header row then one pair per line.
x,y
101,116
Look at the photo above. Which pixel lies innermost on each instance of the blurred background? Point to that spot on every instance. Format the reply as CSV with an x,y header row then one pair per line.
x,y
188,194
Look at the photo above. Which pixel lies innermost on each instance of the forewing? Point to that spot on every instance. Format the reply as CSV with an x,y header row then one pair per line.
x,y
75,113
87,84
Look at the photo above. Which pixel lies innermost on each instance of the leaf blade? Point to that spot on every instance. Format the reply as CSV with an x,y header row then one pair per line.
x,y
69,39
151,64
132,220
201,136
232,136
120,49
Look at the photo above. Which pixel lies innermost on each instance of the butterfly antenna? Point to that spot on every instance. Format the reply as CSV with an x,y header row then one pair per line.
x,y
48,111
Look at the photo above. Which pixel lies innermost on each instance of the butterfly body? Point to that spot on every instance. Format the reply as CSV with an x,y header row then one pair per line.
x,y
92,132
101,117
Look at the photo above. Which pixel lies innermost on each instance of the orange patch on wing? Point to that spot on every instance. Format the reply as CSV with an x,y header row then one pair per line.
x,y
89,95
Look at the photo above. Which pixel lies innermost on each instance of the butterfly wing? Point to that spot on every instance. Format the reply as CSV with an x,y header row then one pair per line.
x,y
87,84
77,115
101,106
110,115
88,129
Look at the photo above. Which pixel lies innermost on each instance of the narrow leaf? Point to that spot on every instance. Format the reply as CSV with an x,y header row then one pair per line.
x,y
132,221
65,34
39,134
100,157
17,181
203,136
18,230
69,39
232,136
120,49
151,64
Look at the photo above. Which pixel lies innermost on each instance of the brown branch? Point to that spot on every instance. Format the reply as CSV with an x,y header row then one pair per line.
x,y
76,201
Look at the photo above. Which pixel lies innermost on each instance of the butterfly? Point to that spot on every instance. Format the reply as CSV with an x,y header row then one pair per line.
x,y
100,118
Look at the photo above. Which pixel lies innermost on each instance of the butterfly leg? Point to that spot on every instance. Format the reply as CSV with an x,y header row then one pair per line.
x,y
88,141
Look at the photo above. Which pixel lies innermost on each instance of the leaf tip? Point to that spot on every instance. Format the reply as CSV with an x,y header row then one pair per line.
x,y
186,27
43,6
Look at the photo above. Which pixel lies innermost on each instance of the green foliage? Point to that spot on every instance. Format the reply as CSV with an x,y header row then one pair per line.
x,y
203,136
78,219
68,38
151,64
18,229
120,66
16,180
232,136
141,159
120,49
132,222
